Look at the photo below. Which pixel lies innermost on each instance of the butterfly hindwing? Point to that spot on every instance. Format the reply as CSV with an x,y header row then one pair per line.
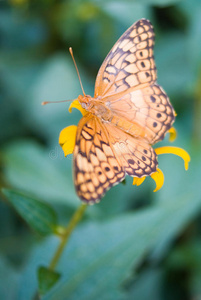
x,y
130,63
137,157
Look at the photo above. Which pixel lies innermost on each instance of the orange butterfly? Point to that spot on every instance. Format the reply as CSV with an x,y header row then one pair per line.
x,y
128,113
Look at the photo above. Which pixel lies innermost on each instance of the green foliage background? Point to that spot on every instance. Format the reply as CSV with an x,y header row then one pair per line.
x,y
135,244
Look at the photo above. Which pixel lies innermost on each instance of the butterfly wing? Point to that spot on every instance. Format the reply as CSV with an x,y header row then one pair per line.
x,y
103,155
137,157
149,108
96,167
126,83
130,63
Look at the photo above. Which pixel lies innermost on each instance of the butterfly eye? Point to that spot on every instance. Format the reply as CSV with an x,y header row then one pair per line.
x,y
84,105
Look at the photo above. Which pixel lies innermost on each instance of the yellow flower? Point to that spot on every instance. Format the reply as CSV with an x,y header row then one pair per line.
x,y
67,142
67,139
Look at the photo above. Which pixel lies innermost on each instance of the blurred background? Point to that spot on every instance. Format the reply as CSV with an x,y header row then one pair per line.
x,y
135,244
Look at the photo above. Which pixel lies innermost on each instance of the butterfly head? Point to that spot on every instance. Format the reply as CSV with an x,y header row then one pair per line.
x,y
86,101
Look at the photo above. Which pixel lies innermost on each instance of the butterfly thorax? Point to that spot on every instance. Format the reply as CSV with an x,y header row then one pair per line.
x,y
96,107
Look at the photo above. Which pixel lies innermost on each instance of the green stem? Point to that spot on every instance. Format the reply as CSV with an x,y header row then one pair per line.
x,y
64,238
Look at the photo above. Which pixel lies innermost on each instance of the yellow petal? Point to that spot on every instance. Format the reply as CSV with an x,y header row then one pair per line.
x,y
158,177
177,151
173,134
76,104
67,139
137,181
67,149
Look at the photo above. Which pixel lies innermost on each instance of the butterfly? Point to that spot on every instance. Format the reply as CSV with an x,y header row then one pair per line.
x,y
127,115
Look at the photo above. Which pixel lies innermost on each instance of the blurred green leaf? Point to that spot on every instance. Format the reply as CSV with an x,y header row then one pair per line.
x,y
110,251
148,2
9,280
56,81
194,41
39,215
173,64
187,256
124,196
126,12
178,183
147,285
46,279
190,8
43,173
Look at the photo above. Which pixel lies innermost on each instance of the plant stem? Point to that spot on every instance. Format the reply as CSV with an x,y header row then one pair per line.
x,y
64,238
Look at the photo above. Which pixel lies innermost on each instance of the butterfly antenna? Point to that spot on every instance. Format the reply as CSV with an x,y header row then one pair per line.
x,y
49,102
71,53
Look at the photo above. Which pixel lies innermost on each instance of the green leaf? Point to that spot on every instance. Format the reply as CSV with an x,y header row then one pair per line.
x,y
39,215
46,174
147,286
9,280
46,279
170,54
178,183
56,81
187,256
125,13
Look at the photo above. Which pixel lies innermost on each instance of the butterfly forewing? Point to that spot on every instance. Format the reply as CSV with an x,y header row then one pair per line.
x,y
149,107
96,167
130,62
